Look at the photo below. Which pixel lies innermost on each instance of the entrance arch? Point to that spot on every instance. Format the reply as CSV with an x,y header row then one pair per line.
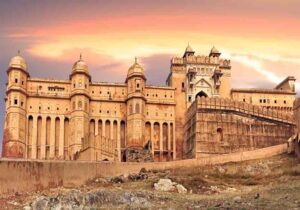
x,y
201,94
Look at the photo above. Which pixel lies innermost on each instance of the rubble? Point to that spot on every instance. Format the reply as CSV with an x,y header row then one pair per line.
x,y
166,185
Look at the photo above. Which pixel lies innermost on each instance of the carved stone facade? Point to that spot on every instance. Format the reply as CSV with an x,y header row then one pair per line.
x,y
79,119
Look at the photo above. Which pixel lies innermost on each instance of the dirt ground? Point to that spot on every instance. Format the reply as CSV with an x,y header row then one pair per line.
x,y
272,183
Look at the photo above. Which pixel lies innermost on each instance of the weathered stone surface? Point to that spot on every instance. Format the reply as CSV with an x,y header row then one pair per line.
x,y
138,155
181,189
166,185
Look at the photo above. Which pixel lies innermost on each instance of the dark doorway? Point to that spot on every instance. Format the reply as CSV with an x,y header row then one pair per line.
x,y
201,94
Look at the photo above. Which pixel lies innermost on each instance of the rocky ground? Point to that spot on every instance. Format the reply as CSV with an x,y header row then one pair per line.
x,y
272,183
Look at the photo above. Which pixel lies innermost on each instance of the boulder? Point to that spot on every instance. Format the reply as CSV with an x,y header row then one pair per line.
x,y
165,185
181,189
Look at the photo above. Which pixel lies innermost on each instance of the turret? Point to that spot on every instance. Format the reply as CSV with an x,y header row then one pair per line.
x,y
214,52
14,133
135,106
80,103
188,51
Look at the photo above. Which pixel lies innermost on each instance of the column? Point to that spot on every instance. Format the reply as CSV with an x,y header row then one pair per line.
x,y
52,138
152,137
119,140
174,142
160,141
96,127
169,141
34,138
112,144
103,141
61,138
96,140
43,138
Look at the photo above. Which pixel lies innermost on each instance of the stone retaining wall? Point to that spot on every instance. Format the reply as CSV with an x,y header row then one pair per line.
x,y
28,175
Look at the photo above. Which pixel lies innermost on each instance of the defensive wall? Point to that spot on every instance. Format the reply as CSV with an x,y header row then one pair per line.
x,y
24,175
296,140
221,126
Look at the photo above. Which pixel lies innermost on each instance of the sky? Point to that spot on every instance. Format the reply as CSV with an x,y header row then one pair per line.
x,y
261,37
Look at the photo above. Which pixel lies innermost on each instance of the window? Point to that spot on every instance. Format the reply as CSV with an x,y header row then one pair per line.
x,y
22,82
79,105
244,100
182,85
190,98
22,103
16,101
260,100
275,101
137,108
16,80
137,85
284,101
264,100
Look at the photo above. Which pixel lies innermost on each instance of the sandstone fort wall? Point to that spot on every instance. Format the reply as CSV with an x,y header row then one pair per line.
x,y
19,175
220,126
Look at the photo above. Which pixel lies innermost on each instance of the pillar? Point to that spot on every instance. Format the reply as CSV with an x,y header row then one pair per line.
x,y
174,142
119,140
112,140
152,137
169,141
52,138
43,138
61,138
34,138
160,141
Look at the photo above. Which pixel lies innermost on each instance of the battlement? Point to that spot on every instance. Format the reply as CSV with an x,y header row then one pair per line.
x,y
225,104
201,59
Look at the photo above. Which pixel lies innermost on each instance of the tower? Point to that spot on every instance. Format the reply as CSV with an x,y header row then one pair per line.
x,y
135,102
80,102
14,134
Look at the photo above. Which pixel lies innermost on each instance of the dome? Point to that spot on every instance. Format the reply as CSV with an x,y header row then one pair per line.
x,y
189,49
135,69
18,62
80,65
214,50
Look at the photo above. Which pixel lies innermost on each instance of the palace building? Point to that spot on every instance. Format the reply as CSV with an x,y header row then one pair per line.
x,y
79,119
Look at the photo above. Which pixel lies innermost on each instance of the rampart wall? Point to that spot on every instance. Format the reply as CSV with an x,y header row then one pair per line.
x,y
17,175
296,142
220,126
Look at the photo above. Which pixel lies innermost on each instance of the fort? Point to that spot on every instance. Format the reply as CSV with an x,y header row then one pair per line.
x,y
195,115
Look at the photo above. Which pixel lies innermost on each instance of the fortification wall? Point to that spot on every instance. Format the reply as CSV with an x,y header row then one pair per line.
x,y
220,126
18,175
297,120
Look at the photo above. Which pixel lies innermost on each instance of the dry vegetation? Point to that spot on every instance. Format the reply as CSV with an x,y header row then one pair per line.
x,y
272,183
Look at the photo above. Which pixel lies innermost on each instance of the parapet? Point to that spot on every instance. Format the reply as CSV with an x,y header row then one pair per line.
x,y
201,59
226,104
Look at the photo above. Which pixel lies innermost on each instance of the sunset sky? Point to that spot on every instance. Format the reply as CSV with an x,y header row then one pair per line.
x,y
261,37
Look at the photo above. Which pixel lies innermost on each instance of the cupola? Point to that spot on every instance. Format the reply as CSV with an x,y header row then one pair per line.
x,y
214,52
136,70
18,62
188,51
